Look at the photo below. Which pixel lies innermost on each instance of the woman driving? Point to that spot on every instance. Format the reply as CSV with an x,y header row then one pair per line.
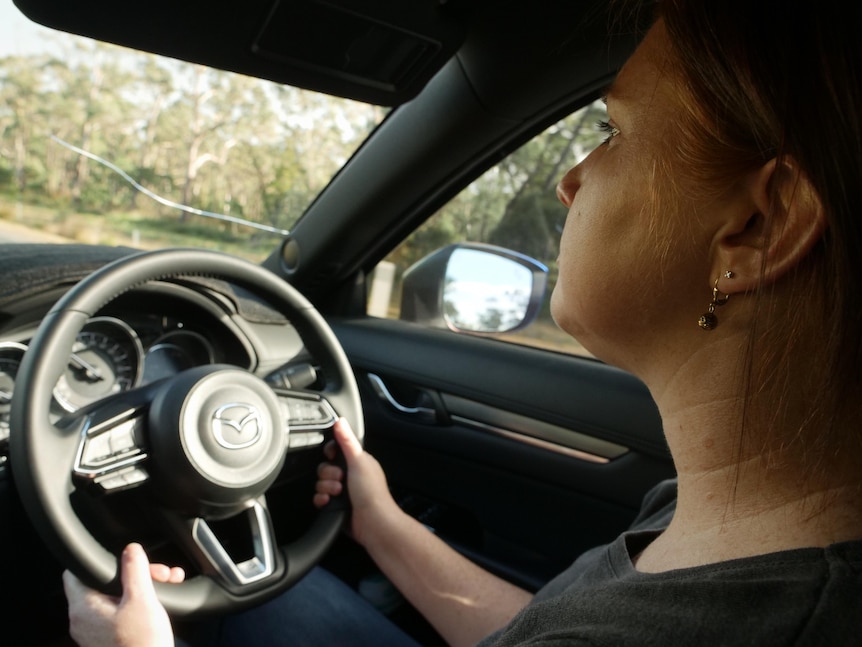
x,y
712,249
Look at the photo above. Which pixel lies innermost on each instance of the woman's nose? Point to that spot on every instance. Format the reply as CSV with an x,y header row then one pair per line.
x,y
568,186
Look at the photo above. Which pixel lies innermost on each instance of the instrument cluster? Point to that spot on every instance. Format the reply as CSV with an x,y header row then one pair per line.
x,y
110,356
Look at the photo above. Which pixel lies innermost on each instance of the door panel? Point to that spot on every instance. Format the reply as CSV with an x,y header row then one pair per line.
x,y
519,457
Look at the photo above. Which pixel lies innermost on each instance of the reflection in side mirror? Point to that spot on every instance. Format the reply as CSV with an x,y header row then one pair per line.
x,y
473,287
484,292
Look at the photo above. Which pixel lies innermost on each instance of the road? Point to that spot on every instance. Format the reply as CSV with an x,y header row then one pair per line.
x,y
13,232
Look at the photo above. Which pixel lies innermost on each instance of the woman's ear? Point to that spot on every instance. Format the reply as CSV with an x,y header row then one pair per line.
x,y
785,219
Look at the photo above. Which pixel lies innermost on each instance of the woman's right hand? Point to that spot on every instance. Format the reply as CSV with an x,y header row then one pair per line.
x,y
369,494
135,619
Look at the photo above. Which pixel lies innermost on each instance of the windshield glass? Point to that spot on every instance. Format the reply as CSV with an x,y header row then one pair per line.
x,y
105,145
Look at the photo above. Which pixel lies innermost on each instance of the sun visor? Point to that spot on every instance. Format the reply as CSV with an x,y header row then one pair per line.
x,y
376,51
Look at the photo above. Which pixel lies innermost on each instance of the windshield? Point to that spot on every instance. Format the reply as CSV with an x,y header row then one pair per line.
x,y
105,145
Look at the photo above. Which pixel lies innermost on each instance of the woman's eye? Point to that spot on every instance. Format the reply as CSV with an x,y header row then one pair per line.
x,y
609,129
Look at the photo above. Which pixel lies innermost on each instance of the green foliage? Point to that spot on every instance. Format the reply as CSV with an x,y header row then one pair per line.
x,y
531,224
6,178
431,236
193,135
235,145
512,205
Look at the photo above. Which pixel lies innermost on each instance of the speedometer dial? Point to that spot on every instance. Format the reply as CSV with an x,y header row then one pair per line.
x,y
106,359
10,358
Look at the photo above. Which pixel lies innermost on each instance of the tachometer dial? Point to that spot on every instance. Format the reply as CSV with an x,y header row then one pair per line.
x,y
106,359
175,352
10,359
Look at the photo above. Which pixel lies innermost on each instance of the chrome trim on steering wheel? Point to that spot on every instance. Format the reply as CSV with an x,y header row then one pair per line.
x,y
254,569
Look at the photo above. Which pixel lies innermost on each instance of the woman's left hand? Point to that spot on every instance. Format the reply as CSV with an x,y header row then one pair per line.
x,y
135,619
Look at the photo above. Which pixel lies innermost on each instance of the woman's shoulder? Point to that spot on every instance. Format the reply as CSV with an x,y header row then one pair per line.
x,y
801,597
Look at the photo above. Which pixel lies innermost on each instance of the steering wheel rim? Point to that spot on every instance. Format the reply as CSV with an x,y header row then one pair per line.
x,y
39,450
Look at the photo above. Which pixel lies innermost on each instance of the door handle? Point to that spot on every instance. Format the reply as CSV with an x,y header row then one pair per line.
x,y
425,414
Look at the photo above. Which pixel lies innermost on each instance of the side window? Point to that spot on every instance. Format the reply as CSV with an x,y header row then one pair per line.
x,y
512,205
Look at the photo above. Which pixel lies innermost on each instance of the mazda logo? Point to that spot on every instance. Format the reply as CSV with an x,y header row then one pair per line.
x,y
237,425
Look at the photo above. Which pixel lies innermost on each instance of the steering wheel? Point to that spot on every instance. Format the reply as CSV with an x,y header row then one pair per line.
x,y
203,445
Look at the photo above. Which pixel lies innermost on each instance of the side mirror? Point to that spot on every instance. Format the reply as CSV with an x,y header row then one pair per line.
x,y
472,287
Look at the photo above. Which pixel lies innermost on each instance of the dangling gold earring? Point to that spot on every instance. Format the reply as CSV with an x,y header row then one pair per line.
x,y
708,320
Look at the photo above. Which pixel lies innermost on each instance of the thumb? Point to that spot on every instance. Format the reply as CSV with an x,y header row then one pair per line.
x,y
347,441
135,574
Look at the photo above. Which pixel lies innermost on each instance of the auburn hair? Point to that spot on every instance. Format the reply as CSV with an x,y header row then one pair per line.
x,y
762,80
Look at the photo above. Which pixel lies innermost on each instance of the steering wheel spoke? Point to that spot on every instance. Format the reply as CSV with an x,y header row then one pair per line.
x,y
308,417
111,453
237,571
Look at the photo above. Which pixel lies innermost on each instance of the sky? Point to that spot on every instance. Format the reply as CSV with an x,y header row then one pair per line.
x,y
18,34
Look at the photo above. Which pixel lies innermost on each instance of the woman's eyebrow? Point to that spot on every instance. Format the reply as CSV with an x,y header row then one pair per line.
x,y
605,91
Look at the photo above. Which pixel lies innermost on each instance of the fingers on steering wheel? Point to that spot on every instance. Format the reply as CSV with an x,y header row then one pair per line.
x,y
330,480
330,450
167,574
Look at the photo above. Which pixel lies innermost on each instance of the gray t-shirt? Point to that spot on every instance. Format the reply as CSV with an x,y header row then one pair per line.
x,y
808,596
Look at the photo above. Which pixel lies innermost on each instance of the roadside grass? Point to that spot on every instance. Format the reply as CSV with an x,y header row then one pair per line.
x,y
140,229
547,335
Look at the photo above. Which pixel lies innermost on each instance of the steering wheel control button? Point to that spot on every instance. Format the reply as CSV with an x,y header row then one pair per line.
x,y
109,455
97,451
219,434
308,412
123,479
305,439
122,438
110,448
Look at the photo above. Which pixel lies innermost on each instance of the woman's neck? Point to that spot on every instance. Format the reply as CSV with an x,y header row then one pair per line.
x,y
735,500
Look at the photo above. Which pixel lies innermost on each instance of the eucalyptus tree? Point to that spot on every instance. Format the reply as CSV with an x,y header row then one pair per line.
x,y
23,118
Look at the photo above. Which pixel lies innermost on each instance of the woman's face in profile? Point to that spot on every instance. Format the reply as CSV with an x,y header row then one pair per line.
x,y
633,263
